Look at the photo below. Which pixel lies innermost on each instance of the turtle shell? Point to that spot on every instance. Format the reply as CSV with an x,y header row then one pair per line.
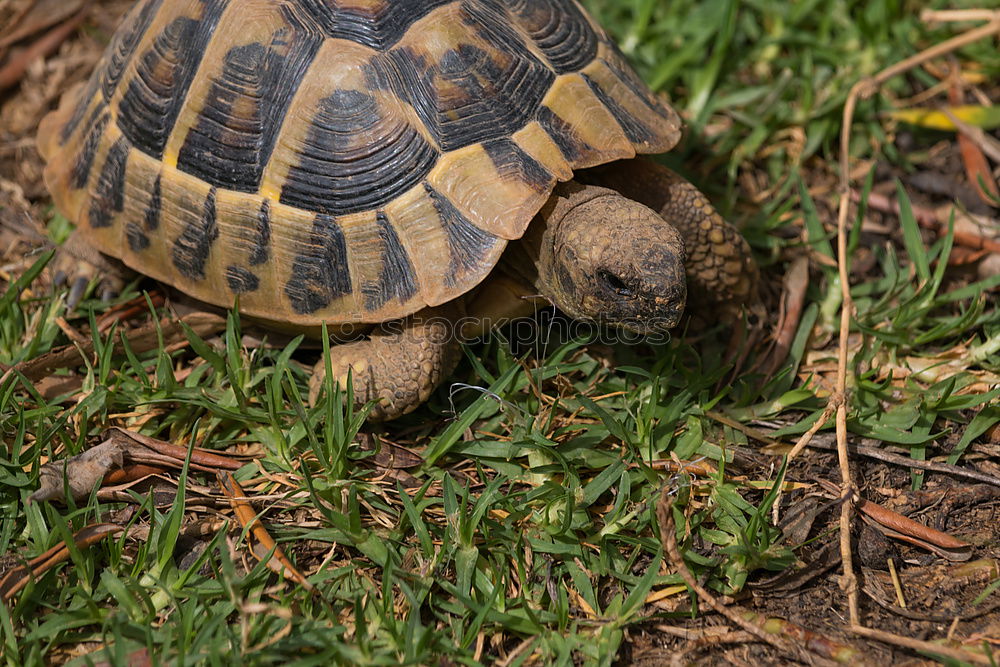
x,y
338,160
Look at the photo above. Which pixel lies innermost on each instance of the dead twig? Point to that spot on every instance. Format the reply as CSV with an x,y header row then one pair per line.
x,y
12,72
908,462
922,646
18,577
803,441
956,15
866,88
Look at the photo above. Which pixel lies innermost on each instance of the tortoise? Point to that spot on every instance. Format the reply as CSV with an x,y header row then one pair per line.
x,y
410,170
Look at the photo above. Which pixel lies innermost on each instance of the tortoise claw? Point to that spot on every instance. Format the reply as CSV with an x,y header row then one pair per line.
x,y
109,293
76,263
76,291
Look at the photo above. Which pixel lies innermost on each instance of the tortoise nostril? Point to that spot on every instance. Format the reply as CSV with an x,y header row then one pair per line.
x,y
615,283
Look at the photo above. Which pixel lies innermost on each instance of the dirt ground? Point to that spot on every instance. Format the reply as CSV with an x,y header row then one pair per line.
x,y
940,593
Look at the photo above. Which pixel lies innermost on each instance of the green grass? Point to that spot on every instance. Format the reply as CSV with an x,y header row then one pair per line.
x,y
530,529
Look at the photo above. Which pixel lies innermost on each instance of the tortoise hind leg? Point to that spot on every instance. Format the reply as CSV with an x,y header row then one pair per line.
x,y
720,268
400,363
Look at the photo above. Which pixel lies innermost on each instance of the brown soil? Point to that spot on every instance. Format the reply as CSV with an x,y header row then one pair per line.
x,y
939,594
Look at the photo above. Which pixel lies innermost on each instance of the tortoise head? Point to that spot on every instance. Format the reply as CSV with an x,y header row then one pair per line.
x,y
605,258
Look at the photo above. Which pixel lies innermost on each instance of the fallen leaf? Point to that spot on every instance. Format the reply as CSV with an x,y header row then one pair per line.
x,y
932,119
78,474
977,169
263,546
114,461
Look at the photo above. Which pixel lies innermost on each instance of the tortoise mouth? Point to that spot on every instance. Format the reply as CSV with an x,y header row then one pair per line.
x,y
651,326
644,311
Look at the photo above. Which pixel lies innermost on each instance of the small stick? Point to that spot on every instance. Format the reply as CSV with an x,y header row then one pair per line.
x,y
802,443
916,464
14,70
19,576
896,583
949,15
866,88
922,646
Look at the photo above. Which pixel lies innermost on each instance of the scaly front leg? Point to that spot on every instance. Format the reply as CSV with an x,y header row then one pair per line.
x,y
400,363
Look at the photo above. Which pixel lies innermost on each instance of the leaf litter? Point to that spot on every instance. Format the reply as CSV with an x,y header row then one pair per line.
x,y
603,422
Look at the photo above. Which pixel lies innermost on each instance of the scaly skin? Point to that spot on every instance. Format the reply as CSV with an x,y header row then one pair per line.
x,y
602,257
595,254
721,272
400,363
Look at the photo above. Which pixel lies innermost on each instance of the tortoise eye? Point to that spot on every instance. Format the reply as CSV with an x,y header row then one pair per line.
x,y
615,283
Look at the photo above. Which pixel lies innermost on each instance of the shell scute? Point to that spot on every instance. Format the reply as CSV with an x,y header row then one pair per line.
x,y
462,86
344,161
350,158
235,132
397,278
155,93
560,30
190,252
108,197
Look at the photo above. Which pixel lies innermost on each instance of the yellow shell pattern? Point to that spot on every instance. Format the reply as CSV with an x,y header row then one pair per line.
x,y
338,160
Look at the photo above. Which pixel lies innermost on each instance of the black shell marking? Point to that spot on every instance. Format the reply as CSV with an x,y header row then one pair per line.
x,y
80,111
397,279
511,161
136,237
241,280
560,30
108,197
635,130
123,46
232,141
468,244
192,246
378,26
352,155
262,238
565,137
475,92
116,58
85,158
151,217
320,273
156,93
